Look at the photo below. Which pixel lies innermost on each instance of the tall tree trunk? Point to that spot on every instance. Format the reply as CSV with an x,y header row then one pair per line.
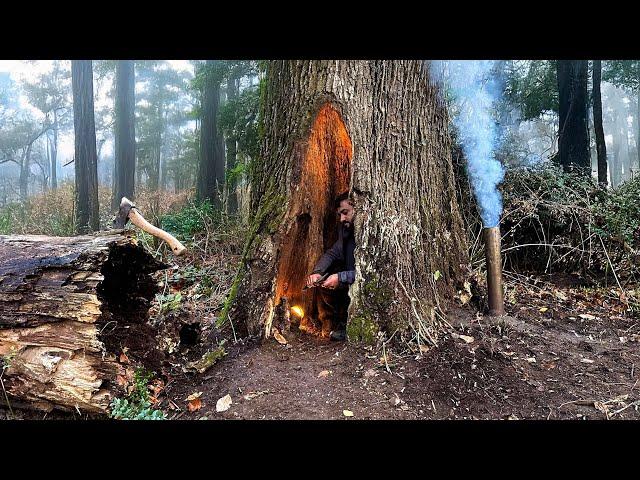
x,y
24,174
86,159
378,129
125,136
573,136
209,164
163,153
601,147
54,152
232,198
638,119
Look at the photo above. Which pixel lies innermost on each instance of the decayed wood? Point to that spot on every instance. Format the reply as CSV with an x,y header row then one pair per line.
x,y
58,297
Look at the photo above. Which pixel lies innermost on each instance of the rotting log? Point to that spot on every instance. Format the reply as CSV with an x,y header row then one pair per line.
x,y
68,307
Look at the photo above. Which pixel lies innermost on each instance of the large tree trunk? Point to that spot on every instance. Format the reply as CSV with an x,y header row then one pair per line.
x,y
209,163
68,307
54,152
24,174
232,197
86,159
125,137
378,129
601,147
573,137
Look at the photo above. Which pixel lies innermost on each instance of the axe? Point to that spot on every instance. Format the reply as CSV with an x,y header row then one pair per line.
x,y
128,211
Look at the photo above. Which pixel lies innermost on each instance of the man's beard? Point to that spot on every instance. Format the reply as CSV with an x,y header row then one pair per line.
x,y
347,225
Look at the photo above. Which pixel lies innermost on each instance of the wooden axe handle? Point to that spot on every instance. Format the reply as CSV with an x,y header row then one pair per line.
x,y
137,219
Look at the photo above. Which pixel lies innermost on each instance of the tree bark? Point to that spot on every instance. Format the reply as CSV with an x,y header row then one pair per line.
x,y
380,130
601,147
573,137
209,165
68,307
232,198
24,173
125,137
86,159
54,152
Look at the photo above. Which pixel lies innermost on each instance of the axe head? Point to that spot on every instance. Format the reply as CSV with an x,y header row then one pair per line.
x,y
123,213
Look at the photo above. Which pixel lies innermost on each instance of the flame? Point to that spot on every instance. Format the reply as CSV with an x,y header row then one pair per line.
x,y
297,311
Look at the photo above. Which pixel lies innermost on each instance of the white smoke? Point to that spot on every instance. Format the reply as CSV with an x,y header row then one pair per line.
x,y
474,90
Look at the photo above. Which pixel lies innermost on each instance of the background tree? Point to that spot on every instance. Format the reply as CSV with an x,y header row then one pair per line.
x,y
17,139
626,74
210,179
573,134
597,120
86,159
375,128
125,140
161,104
50,93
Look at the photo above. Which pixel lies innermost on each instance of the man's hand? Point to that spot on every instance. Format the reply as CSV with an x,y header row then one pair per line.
x,y
313,278
331,282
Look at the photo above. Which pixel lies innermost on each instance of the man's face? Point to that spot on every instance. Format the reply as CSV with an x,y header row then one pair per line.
x,y
346,213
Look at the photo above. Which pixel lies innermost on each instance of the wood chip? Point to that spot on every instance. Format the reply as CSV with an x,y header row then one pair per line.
x,y
278,336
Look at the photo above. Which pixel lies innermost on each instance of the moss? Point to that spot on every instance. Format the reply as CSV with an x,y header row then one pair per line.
x,y
376,295
207,360
362,328
270,216
375,301
233,293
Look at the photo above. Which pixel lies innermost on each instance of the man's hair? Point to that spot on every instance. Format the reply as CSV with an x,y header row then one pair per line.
x,y
341,197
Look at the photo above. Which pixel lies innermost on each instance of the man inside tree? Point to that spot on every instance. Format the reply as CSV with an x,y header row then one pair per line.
x,y
339,263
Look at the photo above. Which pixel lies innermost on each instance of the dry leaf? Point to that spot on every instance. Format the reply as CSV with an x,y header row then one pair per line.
x,y
543,309
252,395
601,407
124,358
586,360
223,403
586,316
347,413
193,396
560,295
194,405
157,386
424,349
281,340
324,373
466,338
464,298
531,359
122,381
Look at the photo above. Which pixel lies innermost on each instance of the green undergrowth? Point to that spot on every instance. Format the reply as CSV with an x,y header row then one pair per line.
x,y
136,405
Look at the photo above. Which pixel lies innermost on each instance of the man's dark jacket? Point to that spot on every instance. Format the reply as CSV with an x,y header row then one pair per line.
x,y
339,258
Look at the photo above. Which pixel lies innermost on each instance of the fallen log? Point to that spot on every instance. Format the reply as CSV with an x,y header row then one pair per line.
x,y
68,307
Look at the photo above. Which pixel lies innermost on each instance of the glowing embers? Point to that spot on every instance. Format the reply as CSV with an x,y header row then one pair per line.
x,y
297,311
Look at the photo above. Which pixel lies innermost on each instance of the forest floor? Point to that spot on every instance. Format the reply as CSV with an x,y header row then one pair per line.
x,y
564,351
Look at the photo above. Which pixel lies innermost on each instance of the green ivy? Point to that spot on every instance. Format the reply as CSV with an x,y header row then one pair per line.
x,y
136,405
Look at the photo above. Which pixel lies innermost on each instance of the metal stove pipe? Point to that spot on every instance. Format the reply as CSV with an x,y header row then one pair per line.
x,y
492,245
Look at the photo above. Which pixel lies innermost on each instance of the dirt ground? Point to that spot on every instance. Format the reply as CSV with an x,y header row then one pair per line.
x,y
563,352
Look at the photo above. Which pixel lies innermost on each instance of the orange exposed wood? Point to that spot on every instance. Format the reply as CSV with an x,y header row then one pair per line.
x,y
324,173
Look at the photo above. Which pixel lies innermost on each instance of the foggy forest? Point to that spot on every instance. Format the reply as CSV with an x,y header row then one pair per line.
x,y
319,239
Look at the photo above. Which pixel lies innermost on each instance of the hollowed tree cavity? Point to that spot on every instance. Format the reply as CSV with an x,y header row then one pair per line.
x,y
322,175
